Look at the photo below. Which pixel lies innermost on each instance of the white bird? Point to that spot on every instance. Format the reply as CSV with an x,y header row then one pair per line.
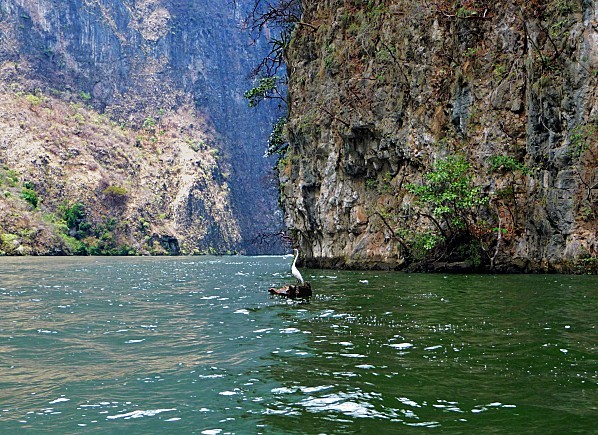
x,y
294,269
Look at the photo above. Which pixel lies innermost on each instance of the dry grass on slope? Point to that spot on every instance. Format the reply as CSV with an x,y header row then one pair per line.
x,y
138,186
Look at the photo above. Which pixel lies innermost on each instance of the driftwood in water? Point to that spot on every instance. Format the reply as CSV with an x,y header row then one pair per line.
x,y
293,291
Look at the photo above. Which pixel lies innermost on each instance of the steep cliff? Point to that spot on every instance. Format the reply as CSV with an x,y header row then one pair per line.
x,y
157,65
444,135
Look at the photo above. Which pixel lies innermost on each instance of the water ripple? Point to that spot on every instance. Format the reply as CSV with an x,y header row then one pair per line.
x,y
153,345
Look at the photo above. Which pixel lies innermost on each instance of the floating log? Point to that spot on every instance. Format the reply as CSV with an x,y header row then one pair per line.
x,y
302,291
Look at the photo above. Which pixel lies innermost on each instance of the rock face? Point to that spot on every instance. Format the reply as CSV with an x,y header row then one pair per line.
x,y
381,93
139,63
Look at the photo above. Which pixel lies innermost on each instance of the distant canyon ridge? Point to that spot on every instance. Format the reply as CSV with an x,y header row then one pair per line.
x,y
123,130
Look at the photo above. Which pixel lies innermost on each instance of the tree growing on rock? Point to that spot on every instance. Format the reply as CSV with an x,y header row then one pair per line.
x,y
449,199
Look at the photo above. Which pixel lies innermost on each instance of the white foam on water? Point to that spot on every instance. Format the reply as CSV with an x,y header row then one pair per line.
x,y
59,400
46,331
353,355
242,311
289,330
401,345
139,413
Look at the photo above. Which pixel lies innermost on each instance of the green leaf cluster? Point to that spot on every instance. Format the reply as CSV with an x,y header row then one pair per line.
x,y
149,123
580,138
423,243
277,142
8,177
33,100
449,191
75,218
507,163
267,87
83,238
30,196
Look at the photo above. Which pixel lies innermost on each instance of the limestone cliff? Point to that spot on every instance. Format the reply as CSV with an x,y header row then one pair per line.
x,y
172,72
382,94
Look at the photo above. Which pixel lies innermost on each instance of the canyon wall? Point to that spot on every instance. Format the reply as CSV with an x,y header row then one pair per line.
x,y
172,75
388,96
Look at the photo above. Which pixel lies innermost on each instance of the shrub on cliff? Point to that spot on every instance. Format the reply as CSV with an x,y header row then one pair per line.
x,y
30,196
8,177
449,199
116,194
75,218
278,142
450,194
266,88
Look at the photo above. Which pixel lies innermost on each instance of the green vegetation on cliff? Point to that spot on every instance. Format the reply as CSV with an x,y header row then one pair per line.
x,y
452,202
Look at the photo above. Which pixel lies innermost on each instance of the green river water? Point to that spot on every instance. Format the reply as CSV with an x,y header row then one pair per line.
x,y
196,345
